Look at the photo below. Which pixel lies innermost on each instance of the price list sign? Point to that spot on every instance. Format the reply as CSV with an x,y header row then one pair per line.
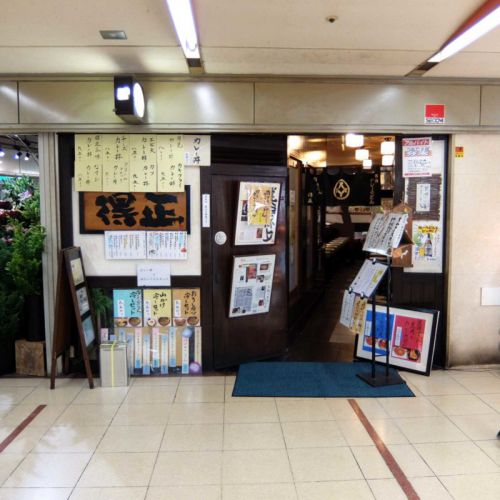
x,y
170,156
88,162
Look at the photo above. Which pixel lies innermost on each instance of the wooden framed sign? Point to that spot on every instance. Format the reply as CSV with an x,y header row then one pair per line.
x,y
101,212
73,308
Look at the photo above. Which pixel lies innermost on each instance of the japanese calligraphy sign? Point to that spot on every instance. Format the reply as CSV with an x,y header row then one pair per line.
x,y
119,211
170,156
157,306
115,165
142,163
197,150
88,162
257,213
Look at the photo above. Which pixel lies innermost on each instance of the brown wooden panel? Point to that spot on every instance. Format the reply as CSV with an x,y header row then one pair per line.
x,y
133,211
258,336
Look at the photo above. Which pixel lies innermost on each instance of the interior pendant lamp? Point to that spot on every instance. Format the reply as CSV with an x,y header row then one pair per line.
x,y
387,147
354,140
387,160
361,154
367,164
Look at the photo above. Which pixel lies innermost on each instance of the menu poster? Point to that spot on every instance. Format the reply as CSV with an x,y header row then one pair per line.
x,y
417,157
412,335
252,285
170,158
359,315
153,274
185,335
385,233
142,163
88,330
115,165
197,150
124,245
346,314
257,213
368,278
77,271
88,162
157,307
170,245
83,300
380,332
127,308
427,246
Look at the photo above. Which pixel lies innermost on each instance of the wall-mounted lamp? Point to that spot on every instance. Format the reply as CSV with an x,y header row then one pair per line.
x,y
130,103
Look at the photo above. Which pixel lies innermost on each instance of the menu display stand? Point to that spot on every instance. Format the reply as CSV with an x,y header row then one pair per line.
x,y
73,307
381,378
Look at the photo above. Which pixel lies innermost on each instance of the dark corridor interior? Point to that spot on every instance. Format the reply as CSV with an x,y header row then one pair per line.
x,y
323,338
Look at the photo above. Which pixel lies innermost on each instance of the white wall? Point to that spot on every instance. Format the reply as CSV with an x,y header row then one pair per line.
x,y
474,250
92,245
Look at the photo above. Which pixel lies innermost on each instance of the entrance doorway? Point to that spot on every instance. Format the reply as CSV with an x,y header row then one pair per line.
x,y
327,202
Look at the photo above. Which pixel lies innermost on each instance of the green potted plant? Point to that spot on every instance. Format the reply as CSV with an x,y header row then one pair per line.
x,y
22,238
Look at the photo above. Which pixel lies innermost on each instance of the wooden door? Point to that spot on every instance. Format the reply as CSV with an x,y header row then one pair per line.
x,y
258,336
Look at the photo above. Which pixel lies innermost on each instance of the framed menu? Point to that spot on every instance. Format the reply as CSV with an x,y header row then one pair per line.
x,y
412,335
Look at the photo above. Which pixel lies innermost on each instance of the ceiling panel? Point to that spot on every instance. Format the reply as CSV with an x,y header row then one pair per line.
x,y
309,62
468,65
258,37
92,60
77,22
361,24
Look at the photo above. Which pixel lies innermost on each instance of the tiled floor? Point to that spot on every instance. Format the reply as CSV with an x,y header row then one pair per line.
x,y
188,438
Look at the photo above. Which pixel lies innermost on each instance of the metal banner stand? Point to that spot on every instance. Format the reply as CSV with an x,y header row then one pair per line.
x,y
381,378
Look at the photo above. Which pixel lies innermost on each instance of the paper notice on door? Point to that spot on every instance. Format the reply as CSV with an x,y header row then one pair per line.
x,y
423,198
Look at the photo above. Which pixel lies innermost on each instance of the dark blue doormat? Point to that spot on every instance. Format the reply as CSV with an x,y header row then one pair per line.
x,y
311,380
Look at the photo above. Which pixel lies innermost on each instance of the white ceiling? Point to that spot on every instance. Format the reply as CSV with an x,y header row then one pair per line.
x,y
243,37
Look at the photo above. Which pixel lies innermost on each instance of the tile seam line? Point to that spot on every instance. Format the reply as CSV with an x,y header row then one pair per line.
x,y
20,428
387,456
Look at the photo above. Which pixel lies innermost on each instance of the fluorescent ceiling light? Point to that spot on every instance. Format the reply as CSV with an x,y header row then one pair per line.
x,y
354,140
387,147
477,30
367,164
387,160
361,154
183,19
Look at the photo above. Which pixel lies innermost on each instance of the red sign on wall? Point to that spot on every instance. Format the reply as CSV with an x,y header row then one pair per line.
x,y
434,114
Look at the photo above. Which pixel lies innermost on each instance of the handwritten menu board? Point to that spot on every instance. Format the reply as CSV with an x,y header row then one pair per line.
x,y
197,150
142,163
88,162
157,306
115,165
170,157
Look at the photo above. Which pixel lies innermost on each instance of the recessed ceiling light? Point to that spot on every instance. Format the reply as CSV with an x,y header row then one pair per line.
x,y
113,34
